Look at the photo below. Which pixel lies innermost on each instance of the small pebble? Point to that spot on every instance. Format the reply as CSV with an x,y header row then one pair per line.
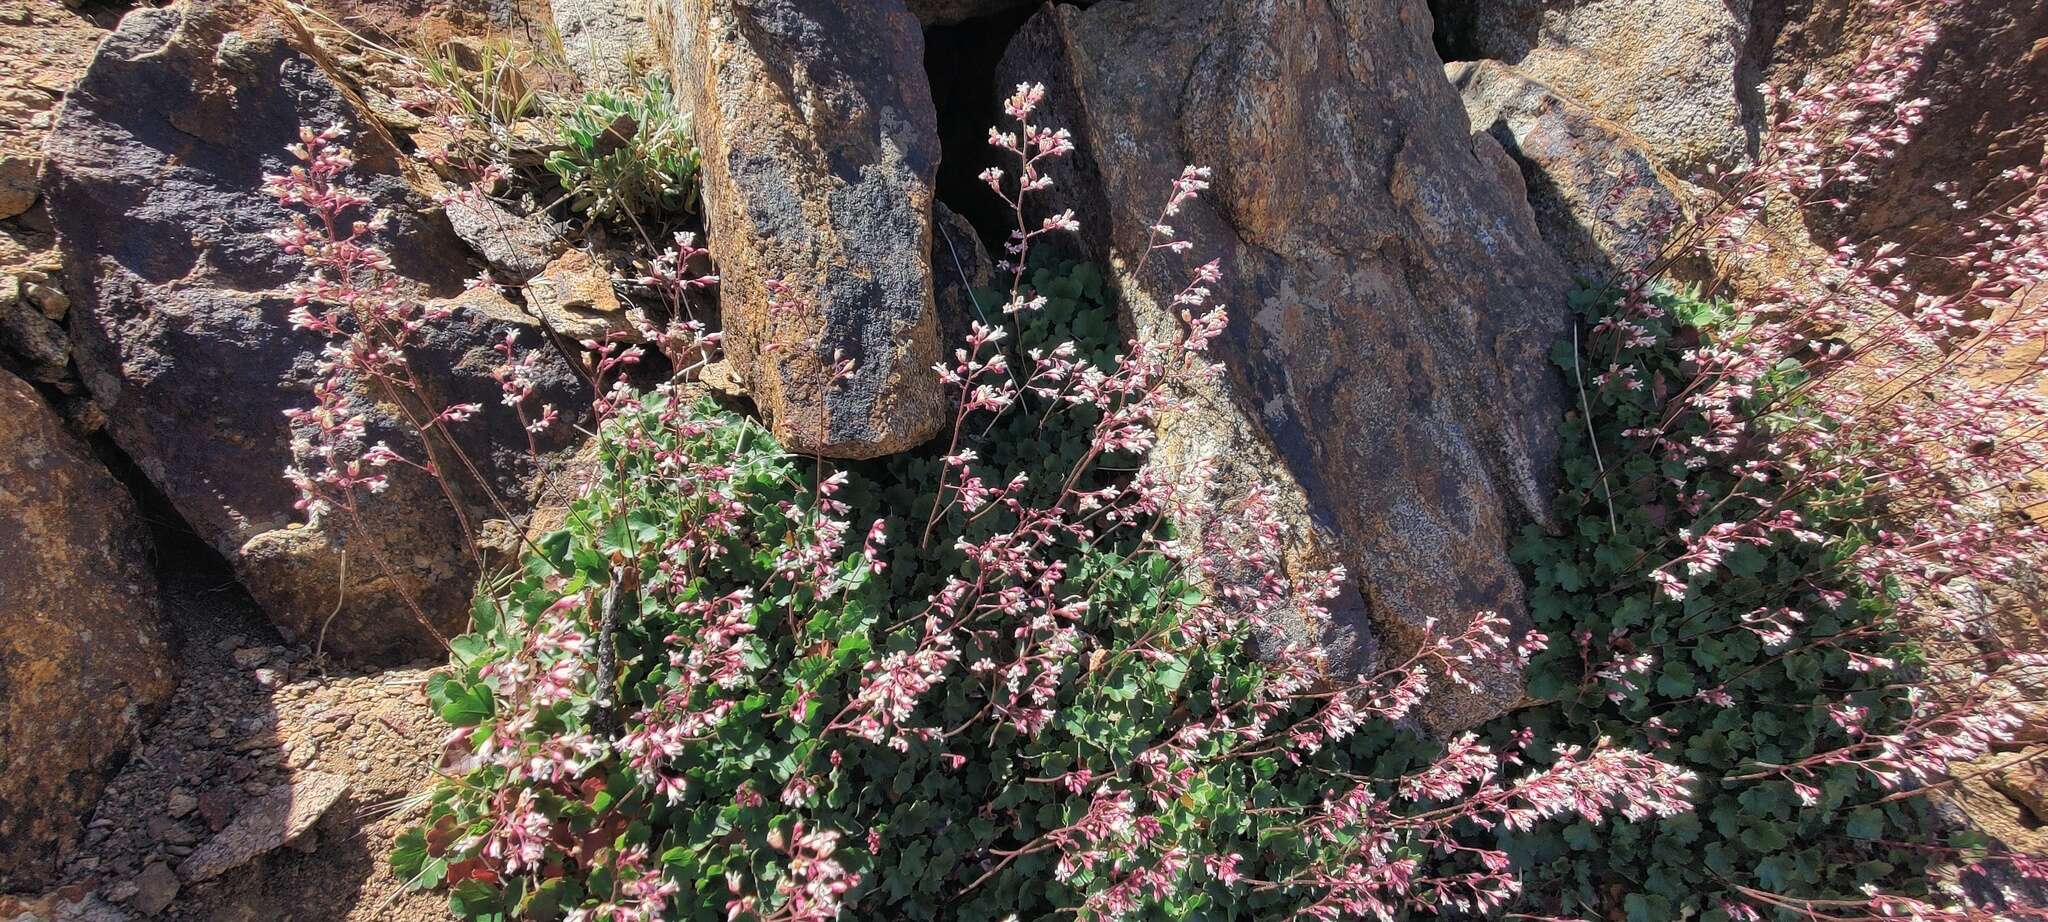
x,y
155,888
181,803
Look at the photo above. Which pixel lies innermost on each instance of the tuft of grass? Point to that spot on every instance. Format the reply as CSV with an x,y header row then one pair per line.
x,y
486,78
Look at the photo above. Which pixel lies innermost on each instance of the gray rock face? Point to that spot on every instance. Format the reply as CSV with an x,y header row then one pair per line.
x,y
1601,200
820,146
1678,73
949,12
518,247
180,323
1391,301
960,264
83,661
604,40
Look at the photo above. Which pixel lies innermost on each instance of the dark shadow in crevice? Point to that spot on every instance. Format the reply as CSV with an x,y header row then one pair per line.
x,y
175,547
1767,21
960,61
1564,229
1451,31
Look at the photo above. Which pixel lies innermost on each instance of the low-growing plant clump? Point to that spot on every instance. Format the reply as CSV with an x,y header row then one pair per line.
x,y
626,155
1760,662
739,684
1015,676
1791,523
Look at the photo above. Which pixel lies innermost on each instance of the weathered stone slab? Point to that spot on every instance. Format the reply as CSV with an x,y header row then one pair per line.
x,y
1392,304
1679,73
180,327
1601,200
84,665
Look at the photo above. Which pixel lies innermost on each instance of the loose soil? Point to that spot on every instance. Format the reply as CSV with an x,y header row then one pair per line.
x,y
252,713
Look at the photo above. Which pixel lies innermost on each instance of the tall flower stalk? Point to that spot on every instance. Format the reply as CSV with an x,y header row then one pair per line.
x,y
353,297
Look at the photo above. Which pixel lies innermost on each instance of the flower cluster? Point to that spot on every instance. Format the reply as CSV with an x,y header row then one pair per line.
x,y
1805,510
1876,376
354,298
991,679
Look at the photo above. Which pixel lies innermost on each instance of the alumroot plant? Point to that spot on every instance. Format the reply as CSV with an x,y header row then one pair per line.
x,y
1927,397
744,685
354,298
1829,493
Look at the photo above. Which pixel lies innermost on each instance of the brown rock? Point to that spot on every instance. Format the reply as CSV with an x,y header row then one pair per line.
x,y
74,903
820,146
1980,801
180,329
1678,73
83,662
17,184
429,23
607,42
517,246
155,888
574,296
46,47
1601,200
2025,781
53,303
216,809
180,803
960,266
1391,301
1986,83
34,342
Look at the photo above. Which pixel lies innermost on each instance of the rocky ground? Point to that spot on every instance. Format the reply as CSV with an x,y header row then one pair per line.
x,y
269,790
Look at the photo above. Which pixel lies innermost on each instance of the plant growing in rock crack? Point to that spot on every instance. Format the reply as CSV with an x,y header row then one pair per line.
x,y
739,684
626,155
485,81
1790,519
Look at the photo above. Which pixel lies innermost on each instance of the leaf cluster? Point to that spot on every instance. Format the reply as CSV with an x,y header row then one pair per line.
x,y
1621,510
626,154
947,820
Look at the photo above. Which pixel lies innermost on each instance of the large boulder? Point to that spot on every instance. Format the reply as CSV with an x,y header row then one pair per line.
x,y
1600,197
820,148
83,662
180,329
1986,84
1391,301
1678,73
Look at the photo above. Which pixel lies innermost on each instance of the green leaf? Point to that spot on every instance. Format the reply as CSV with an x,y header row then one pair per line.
x,y
1865,823
469,648
468,706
